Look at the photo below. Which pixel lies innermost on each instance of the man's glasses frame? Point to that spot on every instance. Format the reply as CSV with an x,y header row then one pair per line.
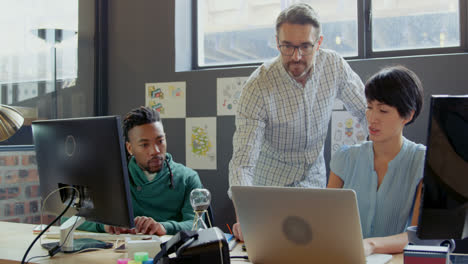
x,y
303,49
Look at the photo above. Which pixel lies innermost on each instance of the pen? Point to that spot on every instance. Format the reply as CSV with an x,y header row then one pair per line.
x,y
230,231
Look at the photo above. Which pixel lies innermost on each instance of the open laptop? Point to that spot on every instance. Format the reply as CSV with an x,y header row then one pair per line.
x,y
300,225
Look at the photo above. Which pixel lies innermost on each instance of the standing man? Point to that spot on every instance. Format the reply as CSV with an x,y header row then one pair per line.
x,y
285,107
160,187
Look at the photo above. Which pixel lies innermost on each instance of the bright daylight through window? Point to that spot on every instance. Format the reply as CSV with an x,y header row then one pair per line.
x,y
236,32
27,61
243,31
415,24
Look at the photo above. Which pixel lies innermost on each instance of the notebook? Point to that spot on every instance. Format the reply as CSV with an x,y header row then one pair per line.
x,y
300,225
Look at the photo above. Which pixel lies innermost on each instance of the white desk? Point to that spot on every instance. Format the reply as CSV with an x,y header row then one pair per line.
x,y
397,258
15,239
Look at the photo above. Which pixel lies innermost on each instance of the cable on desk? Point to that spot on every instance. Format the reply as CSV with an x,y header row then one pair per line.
x,y
31,258
58,248
47,228
44,202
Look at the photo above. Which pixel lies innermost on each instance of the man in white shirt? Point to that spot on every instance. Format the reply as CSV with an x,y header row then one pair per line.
x,y
285,107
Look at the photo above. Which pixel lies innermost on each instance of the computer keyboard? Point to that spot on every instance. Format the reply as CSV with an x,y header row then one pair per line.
x,y
104,236
378,258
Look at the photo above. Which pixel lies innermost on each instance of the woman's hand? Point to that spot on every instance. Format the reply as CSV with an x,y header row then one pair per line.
x,y
237,231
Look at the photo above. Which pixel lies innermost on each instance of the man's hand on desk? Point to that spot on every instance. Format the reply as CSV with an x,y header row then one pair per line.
x,y
236,229
149,226
143,224
118,230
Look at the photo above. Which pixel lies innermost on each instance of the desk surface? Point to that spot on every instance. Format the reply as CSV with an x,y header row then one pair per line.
x,y
397,258
15,239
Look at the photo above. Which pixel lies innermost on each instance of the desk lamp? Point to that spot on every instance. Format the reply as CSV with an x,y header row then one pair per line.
x,y
10,121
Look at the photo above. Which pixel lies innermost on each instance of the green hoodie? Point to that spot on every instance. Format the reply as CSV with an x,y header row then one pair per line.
x,y
170,207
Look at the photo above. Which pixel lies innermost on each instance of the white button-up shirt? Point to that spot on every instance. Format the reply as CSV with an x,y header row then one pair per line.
x,y
281,125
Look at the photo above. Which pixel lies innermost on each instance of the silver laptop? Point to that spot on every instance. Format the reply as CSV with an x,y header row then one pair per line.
x,y
299,225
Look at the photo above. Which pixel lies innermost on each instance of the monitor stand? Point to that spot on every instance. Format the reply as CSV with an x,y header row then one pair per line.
x,y
70,245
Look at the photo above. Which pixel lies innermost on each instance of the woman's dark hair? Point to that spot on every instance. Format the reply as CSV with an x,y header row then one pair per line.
x,y
139,116
399,87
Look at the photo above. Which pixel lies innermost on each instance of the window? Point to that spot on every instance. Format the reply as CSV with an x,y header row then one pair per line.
x,y
421,24
36,31
243,32
233,32
40,58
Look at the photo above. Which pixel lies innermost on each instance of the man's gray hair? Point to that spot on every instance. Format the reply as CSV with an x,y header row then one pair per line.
x,y
300,13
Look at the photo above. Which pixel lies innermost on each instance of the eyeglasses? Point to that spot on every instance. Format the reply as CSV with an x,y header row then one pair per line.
x,y
303,49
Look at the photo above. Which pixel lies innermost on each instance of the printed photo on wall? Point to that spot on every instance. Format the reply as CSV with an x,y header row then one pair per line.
x,y
345,130
168,98
228,94
200,137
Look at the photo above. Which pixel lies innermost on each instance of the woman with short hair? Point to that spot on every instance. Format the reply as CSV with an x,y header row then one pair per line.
x,y
385,172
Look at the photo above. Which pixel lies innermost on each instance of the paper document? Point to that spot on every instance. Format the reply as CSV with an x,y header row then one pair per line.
x,y
232,241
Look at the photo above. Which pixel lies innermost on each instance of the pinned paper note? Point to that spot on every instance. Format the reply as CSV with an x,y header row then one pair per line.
x,y
345,130
201,142
228,94
168,98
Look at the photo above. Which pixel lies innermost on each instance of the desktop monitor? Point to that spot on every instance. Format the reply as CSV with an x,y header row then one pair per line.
x,y
444,207
89,155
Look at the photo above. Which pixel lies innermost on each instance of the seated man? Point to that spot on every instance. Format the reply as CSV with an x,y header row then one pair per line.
x,y
160,187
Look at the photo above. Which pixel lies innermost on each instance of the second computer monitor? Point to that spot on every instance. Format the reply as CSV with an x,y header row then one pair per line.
x,y
444,208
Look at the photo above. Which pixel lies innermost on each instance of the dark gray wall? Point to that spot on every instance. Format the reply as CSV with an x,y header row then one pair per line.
x,y
141,50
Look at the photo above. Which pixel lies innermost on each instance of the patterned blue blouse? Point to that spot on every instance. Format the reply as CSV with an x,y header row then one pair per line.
x,y
384,211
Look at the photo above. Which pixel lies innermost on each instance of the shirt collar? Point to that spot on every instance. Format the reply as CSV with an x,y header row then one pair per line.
x,y
284,73
140,177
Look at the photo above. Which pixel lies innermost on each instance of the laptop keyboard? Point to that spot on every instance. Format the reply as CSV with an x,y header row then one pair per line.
x,y
378,258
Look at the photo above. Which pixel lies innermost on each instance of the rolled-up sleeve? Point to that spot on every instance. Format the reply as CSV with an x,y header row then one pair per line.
x,y
351,93
249,135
